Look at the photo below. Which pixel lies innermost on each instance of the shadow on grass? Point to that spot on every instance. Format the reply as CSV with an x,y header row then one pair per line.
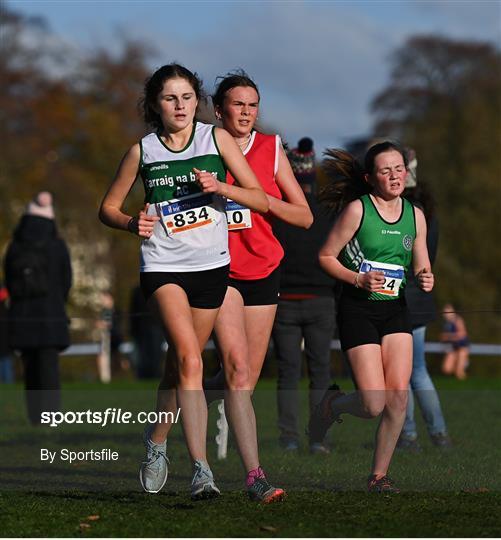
x,y
167,499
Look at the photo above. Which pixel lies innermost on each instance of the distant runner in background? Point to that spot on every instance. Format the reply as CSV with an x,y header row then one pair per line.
x,y
454,332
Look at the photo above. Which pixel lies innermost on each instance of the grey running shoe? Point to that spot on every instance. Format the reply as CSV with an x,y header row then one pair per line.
x,y
319,449
202,485
288,445
153,472
408,444
442,440
262,491
291,446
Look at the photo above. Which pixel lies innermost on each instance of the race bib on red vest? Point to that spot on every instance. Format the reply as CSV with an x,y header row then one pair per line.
x,y
238,216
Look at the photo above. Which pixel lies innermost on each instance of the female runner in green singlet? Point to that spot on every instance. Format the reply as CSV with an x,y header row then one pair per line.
x,y
375,239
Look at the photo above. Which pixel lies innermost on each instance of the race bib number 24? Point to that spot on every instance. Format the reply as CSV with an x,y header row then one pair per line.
x,y
393,276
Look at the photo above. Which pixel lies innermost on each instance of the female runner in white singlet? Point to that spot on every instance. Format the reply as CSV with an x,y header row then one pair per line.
x,y
184,252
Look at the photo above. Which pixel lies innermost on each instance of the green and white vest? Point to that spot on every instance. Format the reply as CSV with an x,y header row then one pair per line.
x,y
381,245
192,234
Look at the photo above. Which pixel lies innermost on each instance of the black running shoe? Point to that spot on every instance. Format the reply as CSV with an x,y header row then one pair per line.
x,y
262,491
322,417
382,485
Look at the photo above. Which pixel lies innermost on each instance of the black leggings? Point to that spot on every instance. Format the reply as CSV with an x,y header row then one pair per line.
x,y
41,381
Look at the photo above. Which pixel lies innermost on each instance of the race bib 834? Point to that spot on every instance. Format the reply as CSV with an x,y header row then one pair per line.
x,y
187,213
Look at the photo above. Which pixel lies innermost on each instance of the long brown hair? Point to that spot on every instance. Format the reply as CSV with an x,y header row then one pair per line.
x,y
154,85
347,176
346,180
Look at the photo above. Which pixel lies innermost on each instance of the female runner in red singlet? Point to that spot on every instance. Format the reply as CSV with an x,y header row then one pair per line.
x,y
245,320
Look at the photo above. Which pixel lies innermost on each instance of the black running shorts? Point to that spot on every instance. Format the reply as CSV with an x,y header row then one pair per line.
x,y
204,289
362,321
259,292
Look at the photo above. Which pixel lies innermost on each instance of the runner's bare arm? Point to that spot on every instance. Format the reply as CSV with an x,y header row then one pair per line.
x,y
248,192
110,211
420,260
460,328
342,232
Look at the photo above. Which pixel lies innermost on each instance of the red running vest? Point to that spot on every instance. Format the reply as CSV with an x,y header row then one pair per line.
x,y
255,252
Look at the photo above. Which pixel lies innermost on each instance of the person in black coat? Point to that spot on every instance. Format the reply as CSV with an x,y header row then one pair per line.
x,y
38,277
306,309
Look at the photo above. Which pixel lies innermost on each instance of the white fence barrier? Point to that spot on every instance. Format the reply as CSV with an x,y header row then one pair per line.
x,y
481,349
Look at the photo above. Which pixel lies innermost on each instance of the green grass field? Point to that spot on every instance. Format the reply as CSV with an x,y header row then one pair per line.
x,y
455,493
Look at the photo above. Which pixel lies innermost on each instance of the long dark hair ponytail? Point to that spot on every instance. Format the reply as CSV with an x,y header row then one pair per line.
x,y
346,180
347,176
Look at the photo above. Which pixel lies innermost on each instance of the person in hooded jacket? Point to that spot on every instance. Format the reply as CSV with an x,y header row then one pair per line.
x,y
38,277
423,311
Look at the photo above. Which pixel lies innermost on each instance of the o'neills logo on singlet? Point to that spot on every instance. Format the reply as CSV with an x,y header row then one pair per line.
x,y
160,167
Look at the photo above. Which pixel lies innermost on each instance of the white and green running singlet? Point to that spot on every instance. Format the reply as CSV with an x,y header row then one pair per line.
x,y
192,233
383,246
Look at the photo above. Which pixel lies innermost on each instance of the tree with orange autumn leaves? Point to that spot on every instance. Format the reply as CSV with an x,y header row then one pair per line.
x,y
64,127
444,99
66,120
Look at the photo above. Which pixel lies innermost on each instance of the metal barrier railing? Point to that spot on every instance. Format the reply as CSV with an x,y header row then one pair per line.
x,y
481,349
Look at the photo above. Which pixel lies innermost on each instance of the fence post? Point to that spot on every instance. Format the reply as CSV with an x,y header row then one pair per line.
x,y
222,435
104,355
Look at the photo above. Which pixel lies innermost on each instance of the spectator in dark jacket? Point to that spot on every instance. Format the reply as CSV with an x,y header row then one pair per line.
x,y
422,310
38,277
306,309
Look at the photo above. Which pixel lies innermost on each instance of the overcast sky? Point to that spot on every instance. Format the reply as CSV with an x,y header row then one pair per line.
x,y
317,64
